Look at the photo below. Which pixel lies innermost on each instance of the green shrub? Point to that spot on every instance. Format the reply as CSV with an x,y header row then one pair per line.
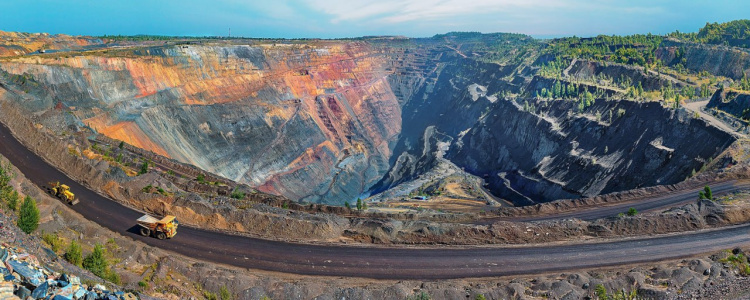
x,y
6,190
209,296
601,292
55,243
113,277
144,168
224,293
13,200
738,261
632,211
706,194
236,194
419,296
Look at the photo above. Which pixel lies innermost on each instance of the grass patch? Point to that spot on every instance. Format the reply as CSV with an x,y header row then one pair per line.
x,y
737,261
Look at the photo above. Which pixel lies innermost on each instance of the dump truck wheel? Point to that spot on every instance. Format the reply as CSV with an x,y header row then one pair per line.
x,y
64,198
160,235
145,231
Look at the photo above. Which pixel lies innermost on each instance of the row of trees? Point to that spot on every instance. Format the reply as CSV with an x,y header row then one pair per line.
x,y
633,49
96,261
28,213
559,91
719,33
744,83
734,33
361,205
28,222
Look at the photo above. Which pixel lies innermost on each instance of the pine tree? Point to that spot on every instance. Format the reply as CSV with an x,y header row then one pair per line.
x,y
359,203
28,217
640,89
95,262
74,254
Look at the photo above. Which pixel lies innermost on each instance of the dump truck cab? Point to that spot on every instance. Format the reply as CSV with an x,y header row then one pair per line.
x,y
63,192
159,228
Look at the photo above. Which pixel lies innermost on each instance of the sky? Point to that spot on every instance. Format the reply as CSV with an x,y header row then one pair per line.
x,y
354,18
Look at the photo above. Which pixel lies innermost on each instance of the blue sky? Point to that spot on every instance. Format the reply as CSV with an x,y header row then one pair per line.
x,y
351,18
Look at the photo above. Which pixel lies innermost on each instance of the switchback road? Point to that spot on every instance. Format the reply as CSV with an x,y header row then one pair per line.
x,y
376,262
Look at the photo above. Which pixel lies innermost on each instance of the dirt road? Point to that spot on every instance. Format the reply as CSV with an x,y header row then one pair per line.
x,y
376,262
697,107
650,204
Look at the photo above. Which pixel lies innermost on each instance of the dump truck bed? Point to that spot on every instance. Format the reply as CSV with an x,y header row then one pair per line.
x,y
147,219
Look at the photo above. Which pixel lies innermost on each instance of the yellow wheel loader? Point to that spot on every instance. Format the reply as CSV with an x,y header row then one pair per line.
x,y
63,192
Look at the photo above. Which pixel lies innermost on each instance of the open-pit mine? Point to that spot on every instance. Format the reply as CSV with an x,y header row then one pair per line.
x,y
445,164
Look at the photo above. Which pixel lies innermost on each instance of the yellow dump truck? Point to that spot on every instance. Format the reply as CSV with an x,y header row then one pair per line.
x,y
63,192
160,229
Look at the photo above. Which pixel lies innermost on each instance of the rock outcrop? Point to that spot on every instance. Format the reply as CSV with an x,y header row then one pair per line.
x,y
735,103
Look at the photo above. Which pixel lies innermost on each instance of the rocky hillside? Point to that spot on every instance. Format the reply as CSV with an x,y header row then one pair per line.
x,y
719,60
19,43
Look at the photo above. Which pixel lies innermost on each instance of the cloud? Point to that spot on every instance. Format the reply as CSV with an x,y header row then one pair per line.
x,y
400,11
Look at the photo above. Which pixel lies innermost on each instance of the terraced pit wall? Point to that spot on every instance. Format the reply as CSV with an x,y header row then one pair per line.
x,y
534,151
310,122
332,121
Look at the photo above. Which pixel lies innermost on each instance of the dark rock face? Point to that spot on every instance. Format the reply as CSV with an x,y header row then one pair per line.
x,y
537,151
590,69
613,146
734,103
461,91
